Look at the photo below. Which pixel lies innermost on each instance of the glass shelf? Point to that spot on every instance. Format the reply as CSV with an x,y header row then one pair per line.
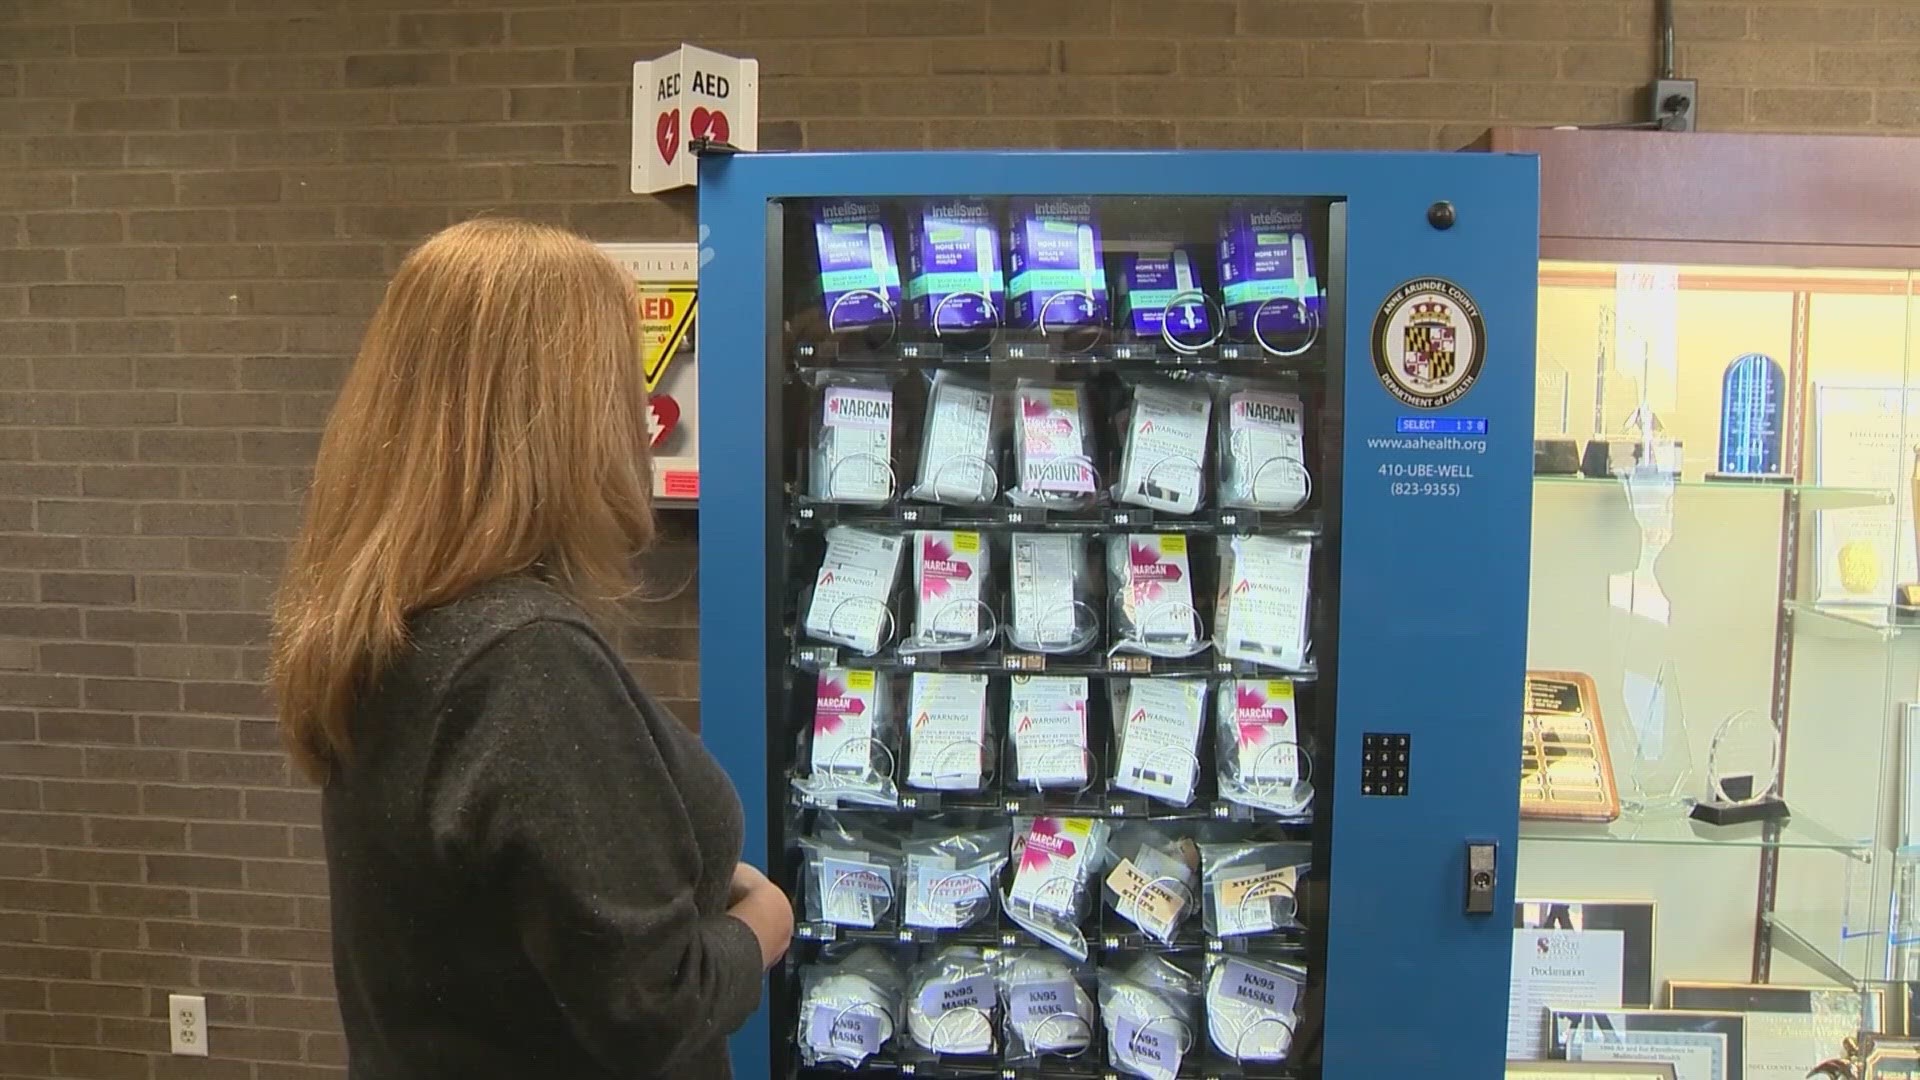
x,y
1846,622
1812,496
1674,828
1844,959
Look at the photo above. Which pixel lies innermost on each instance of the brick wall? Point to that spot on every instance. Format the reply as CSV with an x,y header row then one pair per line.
x,y
198,205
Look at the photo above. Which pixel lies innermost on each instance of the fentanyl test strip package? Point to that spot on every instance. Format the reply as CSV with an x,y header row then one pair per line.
x,y
850,604
1163,464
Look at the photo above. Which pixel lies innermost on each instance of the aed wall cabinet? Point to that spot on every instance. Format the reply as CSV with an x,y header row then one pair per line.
x,y
1114,585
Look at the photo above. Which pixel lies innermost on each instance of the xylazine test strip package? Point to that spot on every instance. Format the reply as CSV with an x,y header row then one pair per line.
x,y
1053,253
954,280
859,273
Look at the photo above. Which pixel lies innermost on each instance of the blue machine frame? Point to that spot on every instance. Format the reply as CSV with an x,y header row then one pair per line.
x,y
1433,607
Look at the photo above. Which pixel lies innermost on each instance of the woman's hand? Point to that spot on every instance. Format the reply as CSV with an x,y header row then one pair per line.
x,y
765,909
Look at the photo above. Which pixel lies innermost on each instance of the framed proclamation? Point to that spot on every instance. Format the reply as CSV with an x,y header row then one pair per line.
x,y
1889,1057
1699,1046
1790,1029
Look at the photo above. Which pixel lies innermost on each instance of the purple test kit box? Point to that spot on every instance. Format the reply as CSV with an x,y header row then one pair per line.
x,y
859,274
1053,255
1266,267
1165,285
954,281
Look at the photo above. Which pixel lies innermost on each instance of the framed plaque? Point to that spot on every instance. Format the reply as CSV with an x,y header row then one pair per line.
x,y
1566,773
1889,1057
1699,1045
1858,431
1790,1029
1588,1070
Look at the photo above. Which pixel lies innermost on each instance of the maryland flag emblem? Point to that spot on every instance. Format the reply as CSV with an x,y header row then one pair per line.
x,y
1427,355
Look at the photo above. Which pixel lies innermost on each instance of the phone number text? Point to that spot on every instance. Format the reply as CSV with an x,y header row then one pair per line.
x,y
1428,490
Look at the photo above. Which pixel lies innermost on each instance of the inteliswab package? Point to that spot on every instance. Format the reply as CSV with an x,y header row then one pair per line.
x,y
1161,293
859,273
1267,277
1053,253
954,281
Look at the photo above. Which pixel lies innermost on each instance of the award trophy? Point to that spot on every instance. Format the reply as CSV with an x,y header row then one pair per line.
x,y
1752,401
1743,772
1555,453
1645,448
1660,770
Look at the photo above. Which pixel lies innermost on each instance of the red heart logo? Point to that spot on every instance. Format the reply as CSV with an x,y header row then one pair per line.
x,y
709,125
663,413
666,133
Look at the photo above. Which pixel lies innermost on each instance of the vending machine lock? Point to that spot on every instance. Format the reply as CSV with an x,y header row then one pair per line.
x,y
1483,874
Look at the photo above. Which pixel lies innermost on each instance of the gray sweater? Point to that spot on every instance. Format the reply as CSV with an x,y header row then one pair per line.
x,y
530,862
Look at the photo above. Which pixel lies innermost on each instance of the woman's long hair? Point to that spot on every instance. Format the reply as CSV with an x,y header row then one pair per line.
x,y
495,422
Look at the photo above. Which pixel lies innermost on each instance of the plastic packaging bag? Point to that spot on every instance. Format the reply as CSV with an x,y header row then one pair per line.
x,y
1048,1009
951,1003
849,1006
1252,1006
1150,586
956,444
1256,742
952,877
1163,461
1055,861
1052,594
1264,598
1250,886
1157,725
1260,451
1047,715
853,876
852,457
1053,447
950,580
852,755
1149,1008
851,601
948,748
1155,878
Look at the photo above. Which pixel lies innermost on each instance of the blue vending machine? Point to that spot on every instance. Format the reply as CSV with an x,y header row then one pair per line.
x,y
1113,603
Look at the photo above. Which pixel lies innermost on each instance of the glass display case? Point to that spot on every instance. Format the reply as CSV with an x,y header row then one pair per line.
x,y
1041,494
1721,656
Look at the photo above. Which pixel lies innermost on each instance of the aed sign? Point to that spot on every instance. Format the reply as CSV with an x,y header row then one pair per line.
x,y
690,93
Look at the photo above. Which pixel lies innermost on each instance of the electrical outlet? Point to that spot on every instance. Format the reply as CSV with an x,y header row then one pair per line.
x,y
188,1017
1676,104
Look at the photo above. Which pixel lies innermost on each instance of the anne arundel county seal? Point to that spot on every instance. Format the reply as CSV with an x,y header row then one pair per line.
x,y
1428,343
